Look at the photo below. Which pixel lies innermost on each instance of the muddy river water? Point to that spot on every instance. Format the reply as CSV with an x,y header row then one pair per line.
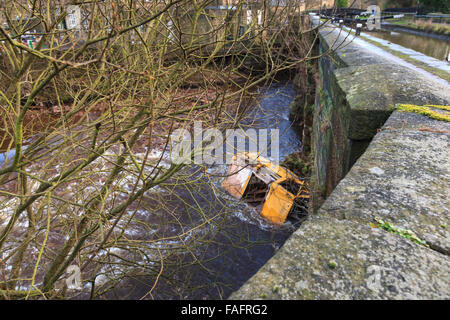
x,y
198,241
235,244
232,242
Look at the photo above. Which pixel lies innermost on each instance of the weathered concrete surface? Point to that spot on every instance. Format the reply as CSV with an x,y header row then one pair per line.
x,y
404,178
370,264
373,90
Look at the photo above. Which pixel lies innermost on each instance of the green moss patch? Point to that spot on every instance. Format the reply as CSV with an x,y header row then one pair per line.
x,y
408,234
299,164
426,111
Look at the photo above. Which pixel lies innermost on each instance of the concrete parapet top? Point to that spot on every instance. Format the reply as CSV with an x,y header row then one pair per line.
x,y
374,81
404,178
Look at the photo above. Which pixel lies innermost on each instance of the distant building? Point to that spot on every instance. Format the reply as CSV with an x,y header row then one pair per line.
x,y
299,5
251,13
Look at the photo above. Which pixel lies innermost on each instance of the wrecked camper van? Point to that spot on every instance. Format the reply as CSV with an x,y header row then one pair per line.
x,y
276,190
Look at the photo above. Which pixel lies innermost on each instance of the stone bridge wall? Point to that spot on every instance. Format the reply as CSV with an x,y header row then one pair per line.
x,y
357,95
402,177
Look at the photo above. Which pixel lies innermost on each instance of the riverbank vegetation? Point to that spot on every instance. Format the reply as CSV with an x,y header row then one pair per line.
x,y
89,96
441,6
424,25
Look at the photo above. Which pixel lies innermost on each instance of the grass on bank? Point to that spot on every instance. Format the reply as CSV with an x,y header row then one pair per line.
x,y
424,25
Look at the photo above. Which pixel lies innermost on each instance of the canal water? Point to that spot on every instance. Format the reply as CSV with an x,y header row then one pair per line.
x,y
233,242
430,46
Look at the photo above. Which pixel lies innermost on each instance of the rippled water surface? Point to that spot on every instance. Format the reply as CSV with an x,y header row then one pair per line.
x,y
235,242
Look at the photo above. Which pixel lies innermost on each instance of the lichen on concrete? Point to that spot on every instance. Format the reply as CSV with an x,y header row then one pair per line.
x,y
427,111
